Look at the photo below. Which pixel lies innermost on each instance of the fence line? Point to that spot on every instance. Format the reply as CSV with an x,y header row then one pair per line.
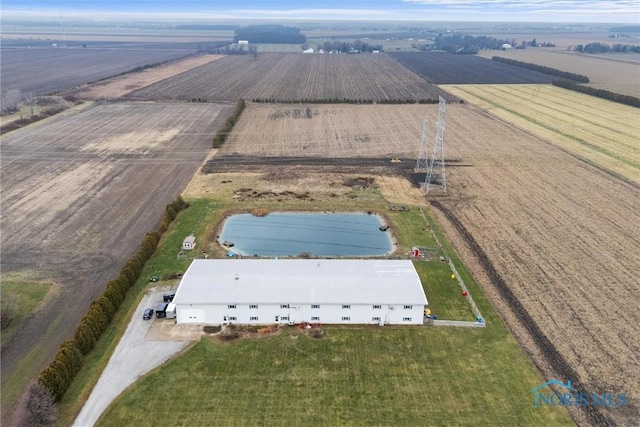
x,y
474,307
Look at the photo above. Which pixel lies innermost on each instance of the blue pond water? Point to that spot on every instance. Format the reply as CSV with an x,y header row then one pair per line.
x,y
319,234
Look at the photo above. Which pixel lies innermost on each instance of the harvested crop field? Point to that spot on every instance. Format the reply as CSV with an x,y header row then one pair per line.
x,y
601,132
327,131
48,70
619,73
295,77
559,237
119,86
562,243
79,191
448,68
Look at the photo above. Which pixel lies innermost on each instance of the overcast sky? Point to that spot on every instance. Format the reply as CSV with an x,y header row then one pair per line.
x,y
614,11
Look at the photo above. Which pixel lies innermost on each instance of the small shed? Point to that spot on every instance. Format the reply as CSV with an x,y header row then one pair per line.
x,y
189,242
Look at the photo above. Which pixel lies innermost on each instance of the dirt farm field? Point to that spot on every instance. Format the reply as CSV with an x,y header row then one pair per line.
x,y
47,70
294,77
79,191
448,68
619,73
119,86
603,133
560,234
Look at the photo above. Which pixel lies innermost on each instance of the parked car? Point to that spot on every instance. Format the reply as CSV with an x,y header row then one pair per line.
x,y
148,314
168,296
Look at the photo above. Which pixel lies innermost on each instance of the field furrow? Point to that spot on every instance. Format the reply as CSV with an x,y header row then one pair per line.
x,y
296,77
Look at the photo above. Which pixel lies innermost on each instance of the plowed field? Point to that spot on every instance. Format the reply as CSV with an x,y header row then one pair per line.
x,y
119,86
295,77
563,239
79,191
449,68
47,70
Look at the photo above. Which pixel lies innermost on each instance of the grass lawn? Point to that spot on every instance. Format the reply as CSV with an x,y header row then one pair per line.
x,y
21,298
356,376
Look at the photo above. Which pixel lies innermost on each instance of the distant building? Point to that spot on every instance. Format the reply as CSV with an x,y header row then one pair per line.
x,y
506,46
243,42
310,50
292,291
189,242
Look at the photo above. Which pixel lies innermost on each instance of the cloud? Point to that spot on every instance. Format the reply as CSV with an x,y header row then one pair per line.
x,y
618,11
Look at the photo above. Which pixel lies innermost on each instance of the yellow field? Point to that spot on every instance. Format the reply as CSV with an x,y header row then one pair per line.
x,y
601,132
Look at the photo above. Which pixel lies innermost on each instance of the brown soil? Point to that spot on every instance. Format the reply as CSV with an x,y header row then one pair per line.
x,y
119,86
79,191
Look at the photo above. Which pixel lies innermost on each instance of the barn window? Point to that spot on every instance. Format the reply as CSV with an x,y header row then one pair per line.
x,y
377,307
284,305
375,319
253,318
346,319
233,318
408,307
253,306
346,306
406,319
315,305
231,306
316,318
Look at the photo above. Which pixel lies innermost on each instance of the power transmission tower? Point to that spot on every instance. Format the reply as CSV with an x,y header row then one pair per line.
x,y
422,164
436,178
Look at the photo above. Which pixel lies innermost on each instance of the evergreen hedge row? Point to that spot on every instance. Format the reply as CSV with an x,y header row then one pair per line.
x,y
600,93
223,132
57,377
542,69
345,101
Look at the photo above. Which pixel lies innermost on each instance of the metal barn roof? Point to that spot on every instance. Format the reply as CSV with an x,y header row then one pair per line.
x,y
302,281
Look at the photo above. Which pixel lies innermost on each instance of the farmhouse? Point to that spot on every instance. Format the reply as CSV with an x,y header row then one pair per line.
x,y
330,291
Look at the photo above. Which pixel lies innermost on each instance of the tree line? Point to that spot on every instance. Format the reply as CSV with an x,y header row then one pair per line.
x,y
344,101
225,130
349,47
598,47
270,34
542,69
58,376
600,93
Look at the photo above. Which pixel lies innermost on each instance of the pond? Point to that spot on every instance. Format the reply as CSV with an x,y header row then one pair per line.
x,y
314,234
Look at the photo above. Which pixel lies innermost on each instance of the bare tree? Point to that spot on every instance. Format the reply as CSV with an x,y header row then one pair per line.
x,y
30,99
10,101
36,407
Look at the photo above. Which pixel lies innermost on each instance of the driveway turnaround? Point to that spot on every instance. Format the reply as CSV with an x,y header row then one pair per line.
x,y
138,352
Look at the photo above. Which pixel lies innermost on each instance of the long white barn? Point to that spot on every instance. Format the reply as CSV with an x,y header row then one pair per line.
x,y
330,291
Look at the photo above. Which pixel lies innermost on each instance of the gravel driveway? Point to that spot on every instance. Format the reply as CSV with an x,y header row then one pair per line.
x,y
144,345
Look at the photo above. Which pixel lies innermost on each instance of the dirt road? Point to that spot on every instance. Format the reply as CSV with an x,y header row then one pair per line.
x,y
137,353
